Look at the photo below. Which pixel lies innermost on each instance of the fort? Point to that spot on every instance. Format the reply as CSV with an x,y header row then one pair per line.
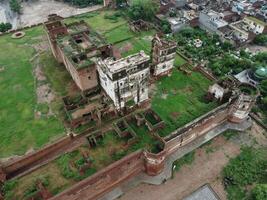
x,y
115,93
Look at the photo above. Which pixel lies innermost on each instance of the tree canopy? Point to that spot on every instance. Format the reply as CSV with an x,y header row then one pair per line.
x,y
143,9
4,27
15,5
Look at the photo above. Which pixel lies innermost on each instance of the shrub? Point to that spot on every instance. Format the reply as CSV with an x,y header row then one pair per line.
x,y
259,192
4,27
15,5
142,9
261,39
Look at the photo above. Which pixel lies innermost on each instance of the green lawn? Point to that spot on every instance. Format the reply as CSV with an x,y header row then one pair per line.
x,y
20,129
97,20
180,98
140,41
179,60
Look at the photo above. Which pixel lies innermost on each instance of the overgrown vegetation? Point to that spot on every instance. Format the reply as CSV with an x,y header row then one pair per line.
x,y
211,45
4,27
15,5
245,177
142,9
261,39
83,3
179,99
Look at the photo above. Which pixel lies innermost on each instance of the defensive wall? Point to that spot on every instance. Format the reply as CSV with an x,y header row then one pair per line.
x,y
149,164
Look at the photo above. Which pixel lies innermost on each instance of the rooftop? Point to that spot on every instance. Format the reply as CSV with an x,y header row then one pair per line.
x,y
203,193
114,66
256,20
81,45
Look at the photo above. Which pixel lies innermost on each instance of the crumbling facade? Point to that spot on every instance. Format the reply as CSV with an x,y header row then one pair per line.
x,y
77,46
125,81
163,55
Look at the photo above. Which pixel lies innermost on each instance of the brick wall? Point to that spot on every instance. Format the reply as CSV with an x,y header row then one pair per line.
x,y
105,180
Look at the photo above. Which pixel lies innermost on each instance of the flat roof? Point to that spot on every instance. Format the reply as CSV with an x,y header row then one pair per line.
x,y
81,44
117,65
256,20
205,192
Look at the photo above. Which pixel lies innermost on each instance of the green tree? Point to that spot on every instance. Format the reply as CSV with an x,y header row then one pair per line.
x,y
143,9
263,87
15,5
4,27
261,39
166,27
259,192
226,46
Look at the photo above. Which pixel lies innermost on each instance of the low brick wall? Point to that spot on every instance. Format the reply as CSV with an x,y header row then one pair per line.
x,y
105,180
17,165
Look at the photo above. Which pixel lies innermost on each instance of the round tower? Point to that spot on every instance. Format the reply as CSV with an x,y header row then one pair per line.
x,y
154,163
243,102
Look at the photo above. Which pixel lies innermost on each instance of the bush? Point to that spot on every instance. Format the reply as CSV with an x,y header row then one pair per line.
x,y
83,3
248,168
142,9
4,27
259,192
261,39
15,5
166,27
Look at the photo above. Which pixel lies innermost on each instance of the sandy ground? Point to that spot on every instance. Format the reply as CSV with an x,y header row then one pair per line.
x,y
206,168
37,11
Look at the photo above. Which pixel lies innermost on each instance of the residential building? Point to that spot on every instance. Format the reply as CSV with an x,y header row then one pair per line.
x,y
241,32
163,55
255,25
77,46
125,80
211,21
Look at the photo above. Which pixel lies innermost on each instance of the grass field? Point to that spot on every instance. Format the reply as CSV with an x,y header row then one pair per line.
x,y
180,98
20,129
63,172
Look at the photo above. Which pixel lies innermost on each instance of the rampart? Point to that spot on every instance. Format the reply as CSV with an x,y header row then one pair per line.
x,y
19,165
134,164
105,180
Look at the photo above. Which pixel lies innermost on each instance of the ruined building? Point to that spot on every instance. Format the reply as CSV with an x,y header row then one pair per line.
x,y
77,46
245,100
163,55
125,81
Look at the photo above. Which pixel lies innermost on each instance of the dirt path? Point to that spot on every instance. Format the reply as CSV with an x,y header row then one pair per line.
x,y
206,168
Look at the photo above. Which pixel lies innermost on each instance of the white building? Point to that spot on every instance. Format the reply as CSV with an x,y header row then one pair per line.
x,y
125,80
211,21
255,25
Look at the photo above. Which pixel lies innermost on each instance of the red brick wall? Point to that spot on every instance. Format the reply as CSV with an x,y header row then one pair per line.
x,y
105,180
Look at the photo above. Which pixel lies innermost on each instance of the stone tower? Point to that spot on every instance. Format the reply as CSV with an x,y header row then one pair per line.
x,y
243,102
163,55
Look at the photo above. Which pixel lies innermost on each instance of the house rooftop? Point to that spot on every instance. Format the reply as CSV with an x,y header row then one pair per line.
x,y
254,19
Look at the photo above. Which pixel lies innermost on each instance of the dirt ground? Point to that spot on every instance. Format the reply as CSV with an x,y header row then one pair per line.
x,y
256,48
34,12
206,168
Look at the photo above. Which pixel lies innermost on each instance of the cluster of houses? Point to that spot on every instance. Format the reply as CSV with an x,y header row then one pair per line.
x,y
235,21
